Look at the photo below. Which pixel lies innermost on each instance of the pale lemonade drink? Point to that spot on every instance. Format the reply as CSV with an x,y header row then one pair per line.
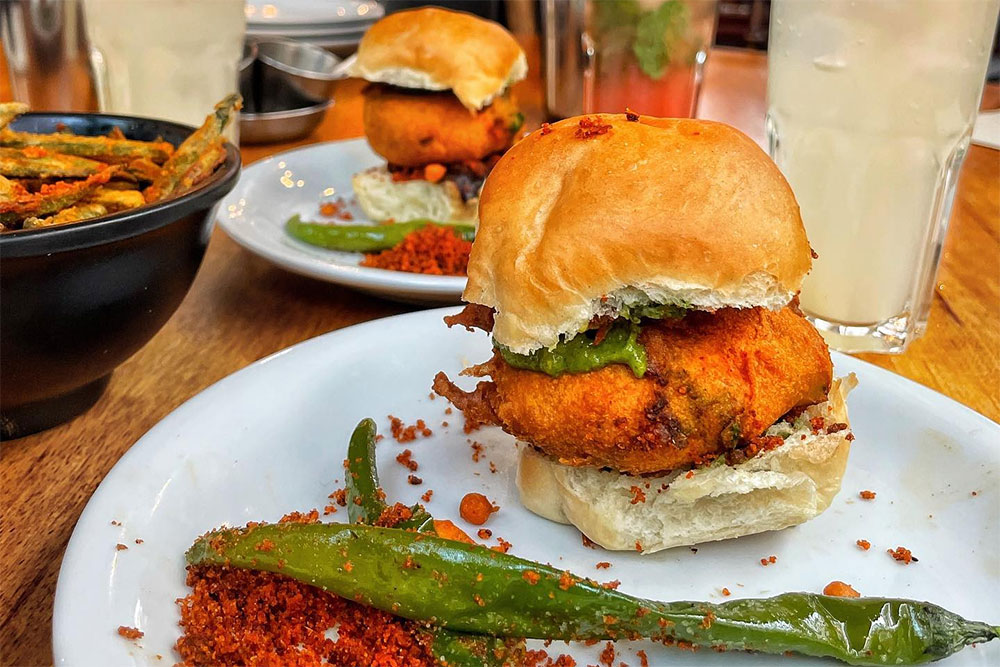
x,y
871,106
169,59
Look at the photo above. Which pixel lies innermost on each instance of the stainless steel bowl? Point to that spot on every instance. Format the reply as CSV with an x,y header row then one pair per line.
x,y
274,126
307,67
286,88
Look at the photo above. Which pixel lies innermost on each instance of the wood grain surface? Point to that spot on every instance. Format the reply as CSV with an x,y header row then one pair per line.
x,y
241,309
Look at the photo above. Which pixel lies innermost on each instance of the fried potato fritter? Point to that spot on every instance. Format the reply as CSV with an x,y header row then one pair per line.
x,y
713,382
412,129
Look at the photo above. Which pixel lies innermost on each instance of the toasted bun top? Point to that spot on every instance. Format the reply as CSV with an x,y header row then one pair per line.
x,y
592,214
438,49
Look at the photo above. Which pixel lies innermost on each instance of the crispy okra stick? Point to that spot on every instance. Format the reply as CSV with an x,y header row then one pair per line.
x,y
11,110
51,198
203,140
76,213
116,200
36,162
97,148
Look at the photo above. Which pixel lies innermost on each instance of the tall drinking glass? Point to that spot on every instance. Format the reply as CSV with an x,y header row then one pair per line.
x,y
605,55
170,59
871,105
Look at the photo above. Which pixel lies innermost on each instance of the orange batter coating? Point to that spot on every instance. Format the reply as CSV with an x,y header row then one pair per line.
x,y
412,129
713,381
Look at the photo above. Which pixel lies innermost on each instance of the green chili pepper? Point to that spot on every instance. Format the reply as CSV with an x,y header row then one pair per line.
x,y
471,588
364,238
365,500
365,503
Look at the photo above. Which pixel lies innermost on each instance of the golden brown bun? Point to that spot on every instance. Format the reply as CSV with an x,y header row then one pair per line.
x,y
438,49
661,210
776,489
414,129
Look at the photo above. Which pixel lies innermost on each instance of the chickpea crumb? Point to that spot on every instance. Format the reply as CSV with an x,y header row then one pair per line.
x,y
476,508
607,658
903,555
403,433
840,590
405,459
638,496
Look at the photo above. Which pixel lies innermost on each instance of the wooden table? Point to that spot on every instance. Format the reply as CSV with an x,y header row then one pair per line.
x,y
241,308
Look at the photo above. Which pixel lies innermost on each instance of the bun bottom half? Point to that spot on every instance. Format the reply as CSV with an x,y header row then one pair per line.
x,y
776,489
381,198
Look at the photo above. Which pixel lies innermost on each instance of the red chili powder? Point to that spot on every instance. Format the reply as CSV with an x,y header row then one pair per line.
x,y
242,617
431,249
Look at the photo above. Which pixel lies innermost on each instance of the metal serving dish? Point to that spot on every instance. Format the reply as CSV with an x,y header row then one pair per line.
x,y
286,90
275,126
307,67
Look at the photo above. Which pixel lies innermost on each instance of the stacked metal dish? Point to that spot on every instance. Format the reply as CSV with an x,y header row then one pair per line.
x,y
336,25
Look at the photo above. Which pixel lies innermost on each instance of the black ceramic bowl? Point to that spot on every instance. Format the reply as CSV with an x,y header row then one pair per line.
x,y
78,300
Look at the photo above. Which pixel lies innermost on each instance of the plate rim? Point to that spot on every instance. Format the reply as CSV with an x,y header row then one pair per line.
x,y
380,280
76,547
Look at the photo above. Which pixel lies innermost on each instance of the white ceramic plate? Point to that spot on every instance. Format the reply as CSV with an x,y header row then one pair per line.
x,y
272,190
271,439
309,33
311,12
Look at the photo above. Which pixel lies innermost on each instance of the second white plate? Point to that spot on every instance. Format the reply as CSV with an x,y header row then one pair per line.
x,y
297,182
